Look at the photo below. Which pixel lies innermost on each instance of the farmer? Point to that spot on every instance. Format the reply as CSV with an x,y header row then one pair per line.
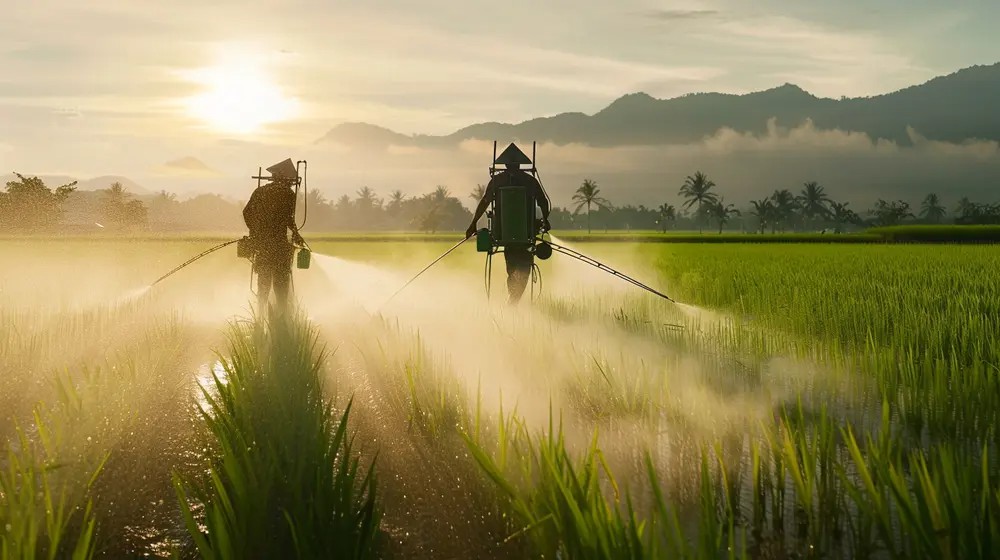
x,y
518,258
269,215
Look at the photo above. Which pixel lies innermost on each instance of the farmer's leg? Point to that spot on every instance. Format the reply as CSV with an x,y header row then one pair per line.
x,y
518,273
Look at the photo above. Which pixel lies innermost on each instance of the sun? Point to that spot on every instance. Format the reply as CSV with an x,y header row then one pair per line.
x,y
239,97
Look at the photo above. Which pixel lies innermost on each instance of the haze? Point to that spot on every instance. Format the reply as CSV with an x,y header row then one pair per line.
x,y
194,96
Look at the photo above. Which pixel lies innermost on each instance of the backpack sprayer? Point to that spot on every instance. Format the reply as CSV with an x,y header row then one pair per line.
x,y
244,245
511,220
511,224
245,250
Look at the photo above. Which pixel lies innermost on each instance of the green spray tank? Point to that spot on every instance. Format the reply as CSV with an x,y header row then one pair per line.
x,y
303,258
511,219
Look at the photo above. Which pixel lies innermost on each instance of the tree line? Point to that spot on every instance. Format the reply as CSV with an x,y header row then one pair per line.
x,y
811,209
27,204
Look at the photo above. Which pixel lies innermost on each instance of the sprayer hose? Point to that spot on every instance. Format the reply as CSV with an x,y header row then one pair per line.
x,y
193,259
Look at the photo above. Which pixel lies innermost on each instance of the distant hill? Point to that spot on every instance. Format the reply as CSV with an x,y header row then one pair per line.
x,y
94,184
951,108
104,181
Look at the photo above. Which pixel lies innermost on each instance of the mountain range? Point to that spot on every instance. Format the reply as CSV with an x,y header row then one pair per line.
x,y
952,108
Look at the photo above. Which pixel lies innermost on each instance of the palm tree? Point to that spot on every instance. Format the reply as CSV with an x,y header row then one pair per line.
x,y
764,210
396,199
165,197
965,206
931,209
316,198
441,193
784,206
698,190
841,214
343,203
668,214
115,198
587,195
367,204
813,201
721,211
478,193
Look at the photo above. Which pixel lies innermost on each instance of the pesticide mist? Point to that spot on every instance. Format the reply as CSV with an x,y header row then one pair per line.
x,y
765,416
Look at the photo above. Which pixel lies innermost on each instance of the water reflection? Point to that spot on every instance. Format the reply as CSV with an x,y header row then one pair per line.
x,y
206,379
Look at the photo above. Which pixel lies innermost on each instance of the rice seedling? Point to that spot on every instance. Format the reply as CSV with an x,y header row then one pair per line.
x,y
43,512
283,478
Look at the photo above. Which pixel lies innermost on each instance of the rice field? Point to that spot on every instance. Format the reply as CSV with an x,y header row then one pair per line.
x,y
804,401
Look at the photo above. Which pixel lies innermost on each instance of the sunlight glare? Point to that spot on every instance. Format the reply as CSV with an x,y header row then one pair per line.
x,y
239,97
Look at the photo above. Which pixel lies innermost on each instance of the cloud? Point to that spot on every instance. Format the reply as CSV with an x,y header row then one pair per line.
x,y
853,166
823,59
67,113
978,149
673,15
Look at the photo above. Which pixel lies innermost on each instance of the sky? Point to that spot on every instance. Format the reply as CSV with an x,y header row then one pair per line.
x,y
191,94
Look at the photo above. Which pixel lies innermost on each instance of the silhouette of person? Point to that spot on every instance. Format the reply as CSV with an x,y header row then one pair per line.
x,y
518,258
269,215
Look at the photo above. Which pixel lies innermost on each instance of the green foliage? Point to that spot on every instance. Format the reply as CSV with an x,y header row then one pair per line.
x,y
42,513
874,365
284,479
886,213
118,207
939,233
557,498
588,195
29,205
721,212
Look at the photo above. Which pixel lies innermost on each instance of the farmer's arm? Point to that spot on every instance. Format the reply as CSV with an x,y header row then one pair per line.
x,y
543,200
251,213
481,208
290,217
543,203
485,201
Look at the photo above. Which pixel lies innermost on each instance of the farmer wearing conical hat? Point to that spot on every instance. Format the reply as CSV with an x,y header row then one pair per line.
x,y
270,215
518,257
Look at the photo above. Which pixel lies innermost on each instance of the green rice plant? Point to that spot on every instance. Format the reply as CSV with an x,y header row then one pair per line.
x,y
558,500
43,512
938,233
809,452
283,478
879,360
602,392
929,504
437,404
